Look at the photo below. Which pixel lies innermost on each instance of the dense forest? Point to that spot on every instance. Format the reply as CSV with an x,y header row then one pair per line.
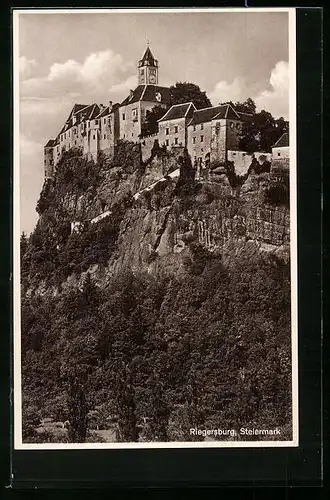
x,y
154,355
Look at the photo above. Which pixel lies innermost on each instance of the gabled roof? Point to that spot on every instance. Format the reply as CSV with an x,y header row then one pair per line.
x,y
214,112
106,112
245,117
283,141
147,93
84,113
50,143
177,111
76,108
148,58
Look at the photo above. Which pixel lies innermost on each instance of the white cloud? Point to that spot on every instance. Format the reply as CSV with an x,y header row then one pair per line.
x,y
26,67
96,74
124,87
226,91
276,100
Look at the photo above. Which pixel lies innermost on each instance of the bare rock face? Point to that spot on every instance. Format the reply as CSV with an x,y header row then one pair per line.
x,y
166,216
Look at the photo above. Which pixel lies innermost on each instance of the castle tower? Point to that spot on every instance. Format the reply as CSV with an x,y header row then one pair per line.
x,y
148,69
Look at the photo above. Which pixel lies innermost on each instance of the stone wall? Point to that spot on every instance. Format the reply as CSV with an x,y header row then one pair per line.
x,y
48,162
176,132
218,141
198,148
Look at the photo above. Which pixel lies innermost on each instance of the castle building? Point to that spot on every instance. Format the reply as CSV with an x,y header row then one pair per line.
x,y
212,132
142,99
90,128
172,127
208,134
49,159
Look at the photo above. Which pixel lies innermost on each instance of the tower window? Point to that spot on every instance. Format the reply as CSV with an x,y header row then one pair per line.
x,y
123,116
194,140
96,122
194,128
104,136
202,138
167,142
93,136
175,129
167,131
202,126
175,140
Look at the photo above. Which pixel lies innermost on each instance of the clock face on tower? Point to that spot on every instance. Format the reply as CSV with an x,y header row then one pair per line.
x,y
152,75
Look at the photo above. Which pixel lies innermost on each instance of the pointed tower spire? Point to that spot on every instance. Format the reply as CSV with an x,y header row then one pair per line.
x,y
148,68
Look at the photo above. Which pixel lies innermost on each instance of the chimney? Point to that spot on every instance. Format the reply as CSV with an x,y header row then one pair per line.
x,y
131,93
74,119
110,106
101,106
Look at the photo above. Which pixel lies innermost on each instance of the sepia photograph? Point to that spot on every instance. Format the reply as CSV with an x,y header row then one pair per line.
x,y
155,245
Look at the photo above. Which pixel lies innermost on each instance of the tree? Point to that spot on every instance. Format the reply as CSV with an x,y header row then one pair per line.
x,y
260,132
183,92
150,125
77,411
248,106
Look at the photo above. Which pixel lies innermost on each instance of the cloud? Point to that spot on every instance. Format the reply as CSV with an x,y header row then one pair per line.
x,y
276,99
96,74
26,67
226,91
124,87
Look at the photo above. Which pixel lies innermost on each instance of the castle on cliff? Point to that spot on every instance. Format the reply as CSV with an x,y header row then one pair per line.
x,y
208,134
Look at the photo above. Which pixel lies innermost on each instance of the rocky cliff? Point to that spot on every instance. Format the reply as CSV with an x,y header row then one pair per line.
x,y
156,211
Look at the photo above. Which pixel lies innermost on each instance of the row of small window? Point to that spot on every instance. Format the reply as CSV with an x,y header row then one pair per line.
x,y
134,115
167,130
201,127
82,126
201,139
176,142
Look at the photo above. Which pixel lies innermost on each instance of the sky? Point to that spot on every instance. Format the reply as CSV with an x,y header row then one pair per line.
x,y
92,57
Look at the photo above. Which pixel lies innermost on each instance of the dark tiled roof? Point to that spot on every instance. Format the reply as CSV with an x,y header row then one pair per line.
x,y
148,58
212,113
283,141
78,107
135,97
105,112
50,143
245,117
177,111
147,93
208,114
85,113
